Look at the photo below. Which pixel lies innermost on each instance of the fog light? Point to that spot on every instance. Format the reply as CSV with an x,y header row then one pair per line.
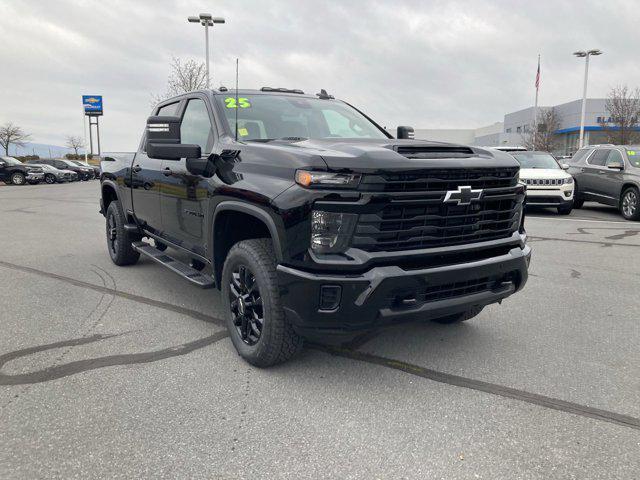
x,y
330,231
330,296
568,194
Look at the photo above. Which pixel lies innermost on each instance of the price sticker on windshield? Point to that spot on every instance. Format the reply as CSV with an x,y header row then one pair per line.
x,y
230,102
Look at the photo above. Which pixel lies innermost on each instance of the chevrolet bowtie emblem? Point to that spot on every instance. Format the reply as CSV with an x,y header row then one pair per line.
x,y
463,195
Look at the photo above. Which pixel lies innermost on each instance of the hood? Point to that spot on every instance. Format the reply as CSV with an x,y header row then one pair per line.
x,y
538,173
368,156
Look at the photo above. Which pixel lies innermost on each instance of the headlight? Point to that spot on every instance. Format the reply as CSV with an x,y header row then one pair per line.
x,y
331,232
326,179
568,180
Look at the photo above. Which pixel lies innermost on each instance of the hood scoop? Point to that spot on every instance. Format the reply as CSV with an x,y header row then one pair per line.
x,y
433,151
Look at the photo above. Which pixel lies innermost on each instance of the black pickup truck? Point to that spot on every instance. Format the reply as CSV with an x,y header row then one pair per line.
x,y
313,220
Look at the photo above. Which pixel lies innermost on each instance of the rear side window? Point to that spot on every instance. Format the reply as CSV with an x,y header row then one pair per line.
x,y
579,155
599,157
168,110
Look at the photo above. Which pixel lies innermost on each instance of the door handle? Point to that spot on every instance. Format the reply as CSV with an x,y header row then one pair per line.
x,y
167,172
136,169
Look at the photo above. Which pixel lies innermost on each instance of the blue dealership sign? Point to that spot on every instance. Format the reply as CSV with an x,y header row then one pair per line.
x,y
92,104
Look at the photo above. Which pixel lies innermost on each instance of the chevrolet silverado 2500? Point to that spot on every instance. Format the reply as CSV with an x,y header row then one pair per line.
x,y
311,219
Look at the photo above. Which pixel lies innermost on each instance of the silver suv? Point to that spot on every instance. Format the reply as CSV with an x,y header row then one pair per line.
x,y
608,174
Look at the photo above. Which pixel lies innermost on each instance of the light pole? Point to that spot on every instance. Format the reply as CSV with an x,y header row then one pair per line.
x,y
206,20
586,55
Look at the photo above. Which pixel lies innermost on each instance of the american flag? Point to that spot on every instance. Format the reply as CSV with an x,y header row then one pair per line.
x,y
538,74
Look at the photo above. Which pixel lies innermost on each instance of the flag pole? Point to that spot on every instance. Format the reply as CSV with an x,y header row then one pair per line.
x,y
535,106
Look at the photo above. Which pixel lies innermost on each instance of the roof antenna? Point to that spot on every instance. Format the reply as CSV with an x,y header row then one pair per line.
x,y
237,108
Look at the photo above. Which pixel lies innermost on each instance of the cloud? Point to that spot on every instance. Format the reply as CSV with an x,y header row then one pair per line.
x,y
436,64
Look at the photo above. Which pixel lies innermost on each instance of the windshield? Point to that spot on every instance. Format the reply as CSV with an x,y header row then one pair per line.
x,y
11,161
536,160
268,117
76,162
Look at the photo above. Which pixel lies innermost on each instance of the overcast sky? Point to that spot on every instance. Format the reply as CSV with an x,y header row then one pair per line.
x,y
446,64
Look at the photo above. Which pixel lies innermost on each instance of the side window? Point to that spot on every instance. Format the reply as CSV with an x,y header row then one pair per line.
x,y
196,126
579,155
168,110
599,157
614,157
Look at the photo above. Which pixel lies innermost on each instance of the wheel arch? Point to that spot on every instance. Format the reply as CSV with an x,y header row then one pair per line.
x,y
109,193
234,221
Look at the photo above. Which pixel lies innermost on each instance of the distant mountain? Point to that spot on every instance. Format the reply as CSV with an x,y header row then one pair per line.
x,y
41,149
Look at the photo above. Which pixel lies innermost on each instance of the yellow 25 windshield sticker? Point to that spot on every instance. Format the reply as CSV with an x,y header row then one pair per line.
x,y
230,102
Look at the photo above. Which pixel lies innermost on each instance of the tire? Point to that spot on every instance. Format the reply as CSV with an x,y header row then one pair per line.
x,y
50,178
565,209
458,317
118,239
261,342
630,204
578,202
18,178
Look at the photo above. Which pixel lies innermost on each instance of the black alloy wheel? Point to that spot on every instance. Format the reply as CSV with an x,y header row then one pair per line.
x,y
246,304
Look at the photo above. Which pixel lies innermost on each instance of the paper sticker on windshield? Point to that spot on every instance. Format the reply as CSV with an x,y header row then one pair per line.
x,y
230,102
243,131
631,152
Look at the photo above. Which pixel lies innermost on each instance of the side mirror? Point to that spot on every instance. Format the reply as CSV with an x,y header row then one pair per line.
x,y
163,140
615,166
3,164
203,167
405,132
564,166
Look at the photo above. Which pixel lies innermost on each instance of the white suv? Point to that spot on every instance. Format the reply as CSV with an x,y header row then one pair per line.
x,y
548,184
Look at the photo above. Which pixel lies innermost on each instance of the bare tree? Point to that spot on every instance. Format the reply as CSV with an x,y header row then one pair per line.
x,y
185,76
544,138
12,134
75,143
623,106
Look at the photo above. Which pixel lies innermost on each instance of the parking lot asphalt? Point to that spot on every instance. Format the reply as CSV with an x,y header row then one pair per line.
x,y
127,372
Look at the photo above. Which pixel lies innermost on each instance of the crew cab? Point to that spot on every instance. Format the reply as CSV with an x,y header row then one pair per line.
x,y
15,172
313,221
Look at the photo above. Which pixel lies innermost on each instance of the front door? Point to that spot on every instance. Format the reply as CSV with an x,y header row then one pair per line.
x,y
592,176
145,187
184,196
612,179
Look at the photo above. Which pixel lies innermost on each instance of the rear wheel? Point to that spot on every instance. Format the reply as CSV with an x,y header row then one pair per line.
x,y
630,204
459,317
256,321
118,239
18,178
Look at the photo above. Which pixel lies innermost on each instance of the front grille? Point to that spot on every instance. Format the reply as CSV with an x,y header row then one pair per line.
x,y
440,180
433,293
544,181
418,218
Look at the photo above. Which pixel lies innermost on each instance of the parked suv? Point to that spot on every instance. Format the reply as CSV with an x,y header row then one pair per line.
x,y
14,171
548,185
608,174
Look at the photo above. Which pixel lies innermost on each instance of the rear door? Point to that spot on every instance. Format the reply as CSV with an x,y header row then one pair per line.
x,y
146,179
184,196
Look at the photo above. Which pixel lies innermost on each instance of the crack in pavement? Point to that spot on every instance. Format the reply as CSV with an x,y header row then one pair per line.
x,y
348,353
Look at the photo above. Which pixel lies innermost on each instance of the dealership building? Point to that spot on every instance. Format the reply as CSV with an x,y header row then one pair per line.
x,y
516,124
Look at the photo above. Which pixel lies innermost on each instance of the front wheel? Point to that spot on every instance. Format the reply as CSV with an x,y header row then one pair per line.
x,y
255,319
565,209
18,178
118,239
49,178
459,317
630,204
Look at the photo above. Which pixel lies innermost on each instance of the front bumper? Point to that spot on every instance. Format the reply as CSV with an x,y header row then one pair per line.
x,y
390,294
550,196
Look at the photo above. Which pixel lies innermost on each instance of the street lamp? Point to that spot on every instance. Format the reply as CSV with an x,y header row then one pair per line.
x,y
206,20
586,55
